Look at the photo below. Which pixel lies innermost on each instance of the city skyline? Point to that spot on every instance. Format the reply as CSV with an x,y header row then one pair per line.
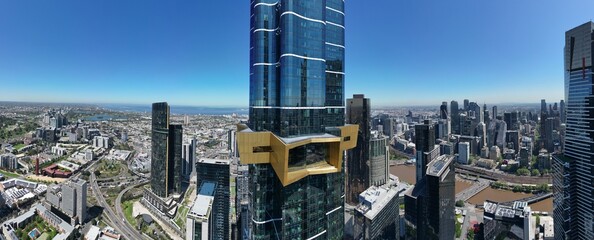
x,y
513,50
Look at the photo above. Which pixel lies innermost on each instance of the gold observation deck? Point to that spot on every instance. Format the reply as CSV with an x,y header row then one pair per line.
x,y
298,157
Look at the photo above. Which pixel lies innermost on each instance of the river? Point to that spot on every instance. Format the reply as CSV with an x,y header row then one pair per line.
x,y
406,173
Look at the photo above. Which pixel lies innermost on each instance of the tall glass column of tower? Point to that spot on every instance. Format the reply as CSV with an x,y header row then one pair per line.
x,y
295,138
573,181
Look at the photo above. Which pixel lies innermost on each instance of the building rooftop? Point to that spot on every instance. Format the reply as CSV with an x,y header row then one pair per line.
x,y
375,199
439,165
518,209
215,161
202,206
207,188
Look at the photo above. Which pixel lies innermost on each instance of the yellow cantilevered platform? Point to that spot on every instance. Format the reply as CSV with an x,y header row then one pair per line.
x,y
267,148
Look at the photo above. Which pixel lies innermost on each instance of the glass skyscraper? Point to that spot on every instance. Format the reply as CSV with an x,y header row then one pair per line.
x,y
295,138
166,153
574,189
159,150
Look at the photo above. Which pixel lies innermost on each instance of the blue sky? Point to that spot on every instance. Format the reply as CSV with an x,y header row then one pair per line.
x,y
197,52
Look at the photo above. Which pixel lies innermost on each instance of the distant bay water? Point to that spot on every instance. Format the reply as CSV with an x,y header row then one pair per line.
x,y
178,110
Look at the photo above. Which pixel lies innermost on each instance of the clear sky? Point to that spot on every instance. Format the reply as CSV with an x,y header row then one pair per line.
x,y
196,53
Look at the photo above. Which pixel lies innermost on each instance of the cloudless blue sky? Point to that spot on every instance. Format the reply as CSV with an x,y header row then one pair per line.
x,y
197,52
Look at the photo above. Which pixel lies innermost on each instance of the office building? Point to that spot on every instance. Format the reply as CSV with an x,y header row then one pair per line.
x,y
455,117
463,153
446,148
101,142
486,115
295,137
166,153
358,111
466,104
367,164
189,158
425,147
512,139
429,206
443,110
199,221
217,171
513,222
562,111
378,213
575,214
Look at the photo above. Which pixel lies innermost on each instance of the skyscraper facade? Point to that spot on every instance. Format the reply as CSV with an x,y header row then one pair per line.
x,y
159,149
425,147
295,137
429,206
175,161
358,111
577,221
166,153
443,110
189,158
367,164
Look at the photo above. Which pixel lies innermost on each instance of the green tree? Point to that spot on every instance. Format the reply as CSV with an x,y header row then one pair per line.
x,y
535,172
459,203
523,172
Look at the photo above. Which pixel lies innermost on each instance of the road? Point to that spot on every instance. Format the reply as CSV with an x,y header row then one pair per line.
x,y
501,176
118,203
120,224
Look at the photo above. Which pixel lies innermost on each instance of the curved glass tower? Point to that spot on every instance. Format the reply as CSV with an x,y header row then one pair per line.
x,y
297,137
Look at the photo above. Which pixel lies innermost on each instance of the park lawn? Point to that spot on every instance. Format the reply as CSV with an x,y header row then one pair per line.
x,y
127,205
180,219
109,168
9,174
19,146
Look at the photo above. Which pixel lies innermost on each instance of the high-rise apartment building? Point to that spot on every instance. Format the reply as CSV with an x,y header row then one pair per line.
x,y
295,138
69,198
217,171
574,199
166,153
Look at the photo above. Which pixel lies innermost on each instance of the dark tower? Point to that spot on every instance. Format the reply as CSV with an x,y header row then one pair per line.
x,y
358,112
455,116
159,150
166,151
